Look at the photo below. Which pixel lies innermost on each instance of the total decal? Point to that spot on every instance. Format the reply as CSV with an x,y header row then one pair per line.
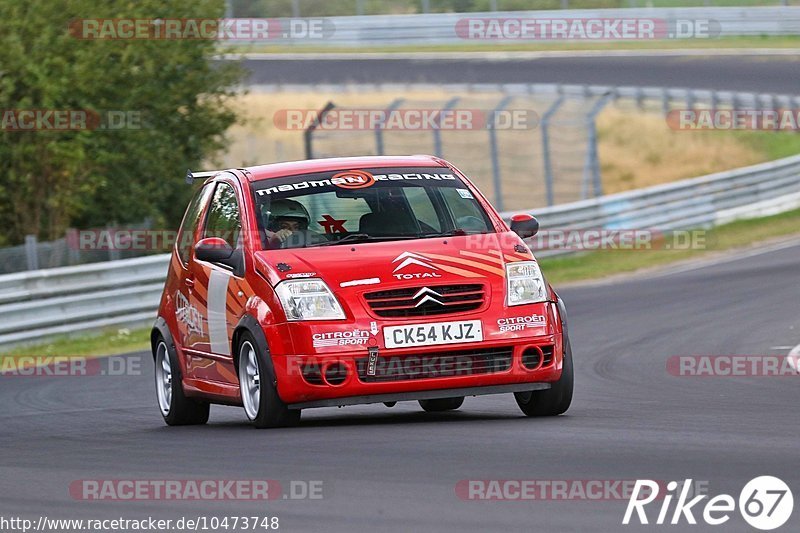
x,y
353,179
188,314
467,264
765,503
518,323
356,337
410,259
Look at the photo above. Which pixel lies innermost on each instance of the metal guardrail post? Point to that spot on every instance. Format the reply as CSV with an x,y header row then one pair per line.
x,y
113,252
31,253
308,134
379,148
73,246
795,103
498,192
591,168
437,132
546,158
665,107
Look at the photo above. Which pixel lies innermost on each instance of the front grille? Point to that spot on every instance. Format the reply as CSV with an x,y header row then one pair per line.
x,y
436,365
426,300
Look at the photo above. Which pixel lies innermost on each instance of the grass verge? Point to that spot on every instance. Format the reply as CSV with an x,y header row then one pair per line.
x,y
751,42
109,342
600,264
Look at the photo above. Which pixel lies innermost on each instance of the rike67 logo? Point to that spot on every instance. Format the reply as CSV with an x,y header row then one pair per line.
x,y
766,503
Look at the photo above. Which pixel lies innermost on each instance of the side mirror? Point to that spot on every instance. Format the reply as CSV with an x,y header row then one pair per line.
x,y
524,225
213,250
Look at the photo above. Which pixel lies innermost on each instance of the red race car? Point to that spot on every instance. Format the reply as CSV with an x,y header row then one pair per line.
x,y
352,281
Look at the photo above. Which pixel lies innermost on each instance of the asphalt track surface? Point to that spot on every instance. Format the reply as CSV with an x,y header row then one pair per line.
x,y
768,74
396,469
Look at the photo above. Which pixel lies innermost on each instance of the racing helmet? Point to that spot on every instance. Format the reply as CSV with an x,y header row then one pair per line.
x,y
285,208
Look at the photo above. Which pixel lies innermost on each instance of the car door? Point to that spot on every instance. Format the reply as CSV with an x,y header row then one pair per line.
x,y
190,321
212,285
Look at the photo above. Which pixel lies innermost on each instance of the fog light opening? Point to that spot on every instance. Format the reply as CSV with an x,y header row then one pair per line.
x,y
532,358
335,374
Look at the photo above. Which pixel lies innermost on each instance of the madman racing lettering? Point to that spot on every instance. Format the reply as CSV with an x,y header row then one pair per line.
x,y
352,180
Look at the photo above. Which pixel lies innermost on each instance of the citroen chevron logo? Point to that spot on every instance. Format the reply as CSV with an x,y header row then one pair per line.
x,y
410,258
430,295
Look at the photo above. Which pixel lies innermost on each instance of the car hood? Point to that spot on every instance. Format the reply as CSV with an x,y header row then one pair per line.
x,y
462,259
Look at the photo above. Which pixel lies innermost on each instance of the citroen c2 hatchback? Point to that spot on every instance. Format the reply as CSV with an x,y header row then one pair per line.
x,y
348,281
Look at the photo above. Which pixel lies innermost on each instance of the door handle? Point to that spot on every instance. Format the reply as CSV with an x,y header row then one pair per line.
x,y
189,282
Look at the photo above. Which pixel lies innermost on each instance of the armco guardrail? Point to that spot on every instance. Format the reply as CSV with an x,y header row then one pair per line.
x,y
43,303
58,301
758,190
441,28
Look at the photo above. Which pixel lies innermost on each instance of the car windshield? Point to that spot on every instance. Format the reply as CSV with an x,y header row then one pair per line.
x,y
331,208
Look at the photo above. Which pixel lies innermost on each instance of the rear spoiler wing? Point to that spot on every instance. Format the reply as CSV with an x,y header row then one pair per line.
x,y
191,176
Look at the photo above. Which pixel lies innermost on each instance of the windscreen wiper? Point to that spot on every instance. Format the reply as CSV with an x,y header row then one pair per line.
x,y
362,237
456,232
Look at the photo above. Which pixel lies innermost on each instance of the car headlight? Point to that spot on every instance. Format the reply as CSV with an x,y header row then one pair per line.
x,y
525,283
308,299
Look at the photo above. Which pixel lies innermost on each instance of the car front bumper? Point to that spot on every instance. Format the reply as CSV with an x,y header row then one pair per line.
x,y
373,376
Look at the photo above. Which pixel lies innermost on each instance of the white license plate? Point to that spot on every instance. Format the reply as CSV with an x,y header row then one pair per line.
x,y
432,334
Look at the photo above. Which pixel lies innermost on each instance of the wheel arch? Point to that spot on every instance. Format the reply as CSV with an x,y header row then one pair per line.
x,y
160,328
248,324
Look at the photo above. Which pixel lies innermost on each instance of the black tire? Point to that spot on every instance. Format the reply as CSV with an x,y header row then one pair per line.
x,y
271,411
441,404
175,407
555,400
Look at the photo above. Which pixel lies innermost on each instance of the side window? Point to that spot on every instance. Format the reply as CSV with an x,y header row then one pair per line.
x,y
422,207
190,221
223,216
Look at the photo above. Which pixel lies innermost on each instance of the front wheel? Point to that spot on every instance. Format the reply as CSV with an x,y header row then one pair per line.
x,y
176,408
260,399
555,400
441,404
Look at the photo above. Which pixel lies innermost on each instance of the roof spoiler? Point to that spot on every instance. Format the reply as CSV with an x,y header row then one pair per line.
x,y
191,176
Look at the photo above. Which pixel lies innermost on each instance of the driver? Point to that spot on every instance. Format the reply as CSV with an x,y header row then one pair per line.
x,y
286,218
